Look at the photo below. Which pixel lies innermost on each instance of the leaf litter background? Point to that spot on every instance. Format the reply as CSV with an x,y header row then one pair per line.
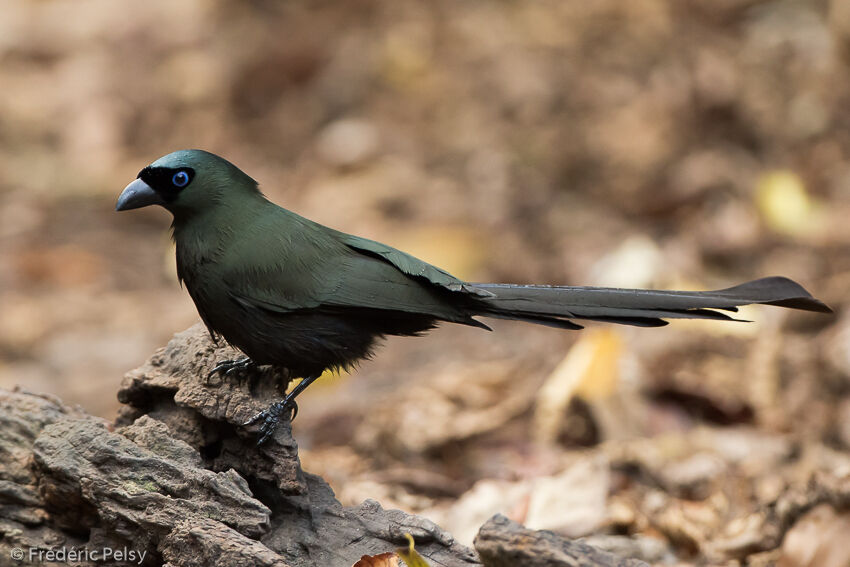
x,y
676,144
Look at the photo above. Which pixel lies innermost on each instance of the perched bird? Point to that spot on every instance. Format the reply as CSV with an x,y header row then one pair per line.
x,y
294,294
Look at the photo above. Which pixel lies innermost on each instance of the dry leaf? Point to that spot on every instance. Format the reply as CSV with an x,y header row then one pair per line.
x,y
389,559
573,502
590,369
486,497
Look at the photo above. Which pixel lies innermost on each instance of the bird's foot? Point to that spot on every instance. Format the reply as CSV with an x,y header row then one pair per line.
x,y
228,367
269,418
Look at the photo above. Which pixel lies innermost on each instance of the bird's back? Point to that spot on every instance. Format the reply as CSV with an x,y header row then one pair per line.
x,y
291,292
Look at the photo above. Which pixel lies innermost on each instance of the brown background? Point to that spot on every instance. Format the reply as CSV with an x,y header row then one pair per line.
x,y
654,143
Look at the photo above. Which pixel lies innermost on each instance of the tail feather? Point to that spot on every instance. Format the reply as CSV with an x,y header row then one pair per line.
x,y
552,305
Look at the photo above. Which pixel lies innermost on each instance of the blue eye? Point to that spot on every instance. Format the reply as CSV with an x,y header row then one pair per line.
x,y
180,179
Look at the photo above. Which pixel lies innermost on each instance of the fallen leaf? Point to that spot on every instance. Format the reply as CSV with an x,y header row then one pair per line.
x,y
590,370
410,555
389,559
573,502
486,498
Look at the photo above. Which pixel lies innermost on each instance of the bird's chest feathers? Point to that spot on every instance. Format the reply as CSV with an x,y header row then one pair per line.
x,y
198,259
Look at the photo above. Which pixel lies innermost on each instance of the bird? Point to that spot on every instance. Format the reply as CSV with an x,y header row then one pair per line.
x,y
303,298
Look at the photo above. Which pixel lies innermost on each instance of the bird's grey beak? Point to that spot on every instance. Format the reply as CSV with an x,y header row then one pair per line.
x,y
137,194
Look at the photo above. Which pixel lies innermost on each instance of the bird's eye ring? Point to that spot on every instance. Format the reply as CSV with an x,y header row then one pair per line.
x,y
180,179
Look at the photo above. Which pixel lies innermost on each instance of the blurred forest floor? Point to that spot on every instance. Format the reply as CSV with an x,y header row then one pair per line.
x,y
658,143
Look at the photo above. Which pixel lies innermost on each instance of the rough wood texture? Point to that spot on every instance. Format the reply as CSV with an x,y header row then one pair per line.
x,y
503,543
180,480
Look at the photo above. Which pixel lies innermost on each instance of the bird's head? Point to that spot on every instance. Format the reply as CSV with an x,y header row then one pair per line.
x,y
187,182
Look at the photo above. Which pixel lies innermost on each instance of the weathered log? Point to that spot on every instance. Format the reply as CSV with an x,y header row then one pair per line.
x,y
179,481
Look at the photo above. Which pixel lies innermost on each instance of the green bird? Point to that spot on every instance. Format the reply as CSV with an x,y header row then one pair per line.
x,y
302,297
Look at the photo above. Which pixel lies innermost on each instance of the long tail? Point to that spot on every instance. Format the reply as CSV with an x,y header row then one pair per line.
x,y
555,306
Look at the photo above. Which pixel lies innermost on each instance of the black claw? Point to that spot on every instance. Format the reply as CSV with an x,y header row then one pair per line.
x,y
227,367
271,417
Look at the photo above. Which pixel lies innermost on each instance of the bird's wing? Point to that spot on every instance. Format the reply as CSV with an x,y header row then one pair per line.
x,y
411,265
342,271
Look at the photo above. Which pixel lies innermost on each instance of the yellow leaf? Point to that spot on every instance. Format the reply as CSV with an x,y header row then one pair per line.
x,y
410,556
784,202
601,376
590,369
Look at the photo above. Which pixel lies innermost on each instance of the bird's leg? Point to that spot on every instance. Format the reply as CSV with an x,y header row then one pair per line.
x,y
271,416
228,367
